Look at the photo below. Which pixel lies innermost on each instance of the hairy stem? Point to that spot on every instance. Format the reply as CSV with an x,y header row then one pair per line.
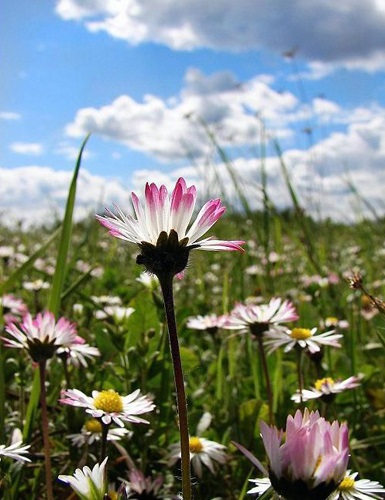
x,y
44,424
167,290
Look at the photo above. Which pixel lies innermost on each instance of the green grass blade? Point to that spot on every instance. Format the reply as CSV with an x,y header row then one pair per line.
x,y
61,263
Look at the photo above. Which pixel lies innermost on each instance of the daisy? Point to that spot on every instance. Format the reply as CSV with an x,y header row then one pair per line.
x,y
13,309
362,489
76,352
15,451
109,406
91,432
326,388
310,459
41,336
259,318
140,486
88,484
202,452
261,486
302,337
160,227
210,322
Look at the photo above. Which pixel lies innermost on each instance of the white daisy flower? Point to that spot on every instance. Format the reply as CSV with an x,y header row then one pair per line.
x,y
77,352
202,452
160,227
109,406
41,336
16,451
326,388
91,432
210,322
261,486
259,318
88,484
361,489
303,337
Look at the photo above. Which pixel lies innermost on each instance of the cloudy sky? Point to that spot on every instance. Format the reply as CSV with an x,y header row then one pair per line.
x,y
161,84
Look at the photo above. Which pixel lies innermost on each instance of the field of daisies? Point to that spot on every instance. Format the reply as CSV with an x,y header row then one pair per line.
x,y
171,349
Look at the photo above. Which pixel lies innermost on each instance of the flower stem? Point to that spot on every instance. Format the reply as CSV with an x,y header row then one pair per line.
x,y
265,369
299,371
44,423
103,446
167,290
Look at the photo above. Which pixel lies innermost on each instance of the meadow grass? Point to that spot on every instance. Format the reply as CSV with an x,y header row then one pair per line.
x,y
288,255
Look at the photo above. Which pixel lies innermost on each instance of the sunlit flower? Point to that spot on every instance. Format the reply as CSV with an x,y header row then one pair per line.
x,y
91,432
15,450
259,318
261,486
160,227
12,308
88,484
77,351
361,489
210,322
310,459
109,406
326,388
118,313
302,337
202,452
41,336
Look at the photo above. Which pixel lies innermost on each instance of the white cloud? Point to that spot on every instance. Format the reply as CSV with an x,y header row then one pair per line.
x,y
9,115
322,176
26,148
36,194
350,33
173,129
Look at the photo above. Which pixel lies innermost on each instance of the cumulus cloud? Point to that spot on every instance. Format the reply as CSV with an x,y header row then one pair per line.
x,y
26,148
326,177
37,194
176,128
321,31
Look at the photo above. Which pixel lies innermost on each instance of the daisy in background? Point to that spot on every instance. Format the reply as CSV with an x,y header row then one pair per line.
x,y
12,308
362,489
16,450
109,406
258,318
41,336
88,484
301,337
209,323
91,432
326,389
202,451
76,352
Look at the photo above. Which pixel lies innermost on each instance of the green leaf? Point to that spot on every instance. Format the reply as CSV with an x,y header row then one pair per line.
x,y
61,262
144,318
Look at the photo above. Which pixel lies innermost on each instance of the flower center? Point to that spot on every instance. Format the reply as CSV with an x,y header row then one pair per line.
x,y
93,426
323,381
331,321
300,333
109,401
196,445
346,484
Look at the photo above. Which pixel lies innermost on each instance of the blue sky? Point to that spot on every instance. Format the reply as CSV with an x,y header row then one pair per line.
x,y
142,75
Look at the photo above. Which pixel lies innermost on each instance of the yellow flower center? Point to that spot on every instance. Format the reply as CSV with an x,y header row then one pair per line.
x,y
196,445
112,495
93,426
323,381
109,401
331,321
300,333
346,484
